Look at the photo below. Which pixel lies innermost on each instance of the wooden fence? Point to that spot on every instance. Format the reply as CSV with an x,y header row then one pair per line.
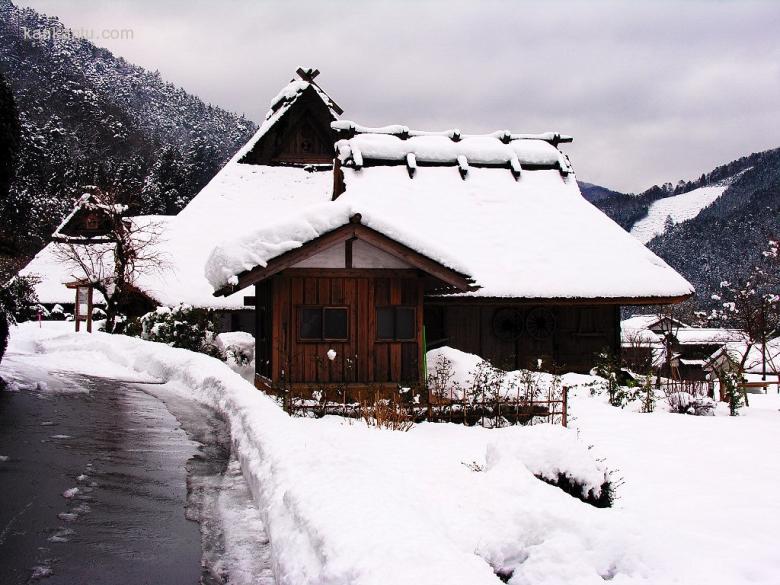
x,y
408,404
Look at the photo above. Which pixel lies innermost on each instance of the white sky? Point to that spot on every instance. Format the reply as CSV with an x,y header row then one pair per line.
x,y
651,91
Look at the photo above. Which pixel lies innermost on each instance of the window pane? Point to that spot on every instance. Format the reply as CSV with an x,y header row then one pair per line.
x,y
405,323
310,323
335,323
384,323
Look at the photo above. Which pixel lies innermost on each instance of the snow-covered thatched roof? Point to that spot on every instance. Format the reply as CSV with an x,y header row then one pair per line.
x,y
503,210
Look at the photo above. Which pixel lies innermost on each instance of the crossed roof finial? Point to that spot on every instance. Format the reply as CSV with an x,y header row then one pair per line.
x,y
307,73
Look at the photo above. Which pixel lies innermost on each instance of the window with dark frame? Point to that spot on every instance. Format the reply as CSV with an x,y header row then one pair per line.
x,y
323,324
397,323
91,222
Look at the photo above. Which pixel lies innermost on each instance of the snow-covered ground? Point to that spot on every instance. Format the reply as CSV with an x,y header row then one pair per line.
x,y
680,208
345,503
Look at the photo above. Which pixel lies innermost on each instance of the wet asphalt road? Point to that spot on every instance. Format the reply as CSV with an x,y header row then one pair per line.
x,y
94,489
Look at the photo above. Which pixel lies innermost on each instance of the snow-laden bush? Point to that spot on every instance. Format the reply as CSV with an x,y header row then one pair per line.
x,y
181,326
58,313
237,349
556,456
686,403
19,299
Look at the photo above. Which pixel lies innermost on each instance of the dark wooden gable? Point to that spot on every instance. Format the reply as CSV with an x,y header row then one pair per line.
x,y
85,223
302,135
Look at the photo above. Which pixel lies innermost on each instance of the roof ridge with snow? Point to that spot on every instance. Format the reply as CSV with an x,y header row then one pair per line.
x,y
398,144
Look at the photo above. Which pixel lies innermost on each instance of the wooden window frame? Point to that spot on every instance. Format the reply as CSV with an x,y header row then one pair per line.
x,y
299,309
396,339
91,222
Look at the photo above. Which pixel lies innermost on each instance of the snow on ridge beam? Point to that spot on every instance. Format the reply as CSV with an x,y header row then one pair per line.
x,y
348,129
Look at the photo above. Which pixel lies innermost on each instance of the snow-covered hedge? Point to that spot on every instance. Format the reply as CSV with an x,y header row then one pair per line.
x,y
181,326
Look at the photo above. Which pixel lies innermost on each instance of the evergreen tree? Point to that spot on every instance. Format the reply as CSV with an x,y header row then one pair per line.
x,y
9,143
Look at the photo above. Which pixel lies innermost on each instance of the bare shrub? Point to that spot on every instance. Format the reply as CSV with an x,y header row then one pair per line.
x,y
387,414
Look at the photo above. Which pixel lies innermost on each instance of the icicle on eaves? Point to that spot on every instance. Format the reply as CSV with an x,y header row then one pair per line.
x,y
357,157
411,164
514,164
463,165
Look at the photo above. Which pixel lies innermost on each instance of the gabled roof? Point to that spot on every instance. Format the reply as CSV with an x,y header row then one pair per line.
x,y
301,100
514,220
69,229
241,197
707,335
305,236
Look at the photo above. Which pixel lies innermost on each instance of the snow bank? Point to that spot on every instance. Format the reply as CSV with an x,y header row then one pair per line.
x,y
345,503
462,368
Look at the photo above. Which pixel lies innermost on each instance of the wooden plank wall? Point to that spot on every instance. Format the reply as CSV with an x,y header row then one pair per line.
x,y
580,332
360,359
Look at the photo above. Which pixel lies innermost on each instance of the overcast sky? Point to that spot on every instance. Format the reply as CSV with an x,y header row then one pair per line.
x,y
651,91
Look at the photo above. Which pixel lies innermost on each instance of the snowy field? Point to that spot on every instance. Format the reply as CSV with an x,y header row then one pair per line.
x,y
345,503
680,208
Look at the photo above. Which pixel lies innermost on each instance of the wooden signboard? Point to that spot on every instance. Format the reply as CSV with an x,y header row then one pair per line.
x,y
83,307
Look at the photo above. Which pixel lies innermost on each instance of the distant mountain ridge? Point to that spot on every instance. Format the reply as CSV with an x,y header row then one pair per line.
x,y
595,193
91,118
724,238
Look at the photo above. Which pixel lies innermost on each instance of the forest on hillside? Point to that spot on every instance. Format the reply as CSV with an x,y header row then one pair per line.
x,y
77,115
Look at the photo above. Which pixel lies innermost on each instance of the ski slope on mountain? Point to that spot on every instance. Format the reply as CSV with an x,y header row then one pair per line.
x,y
679,207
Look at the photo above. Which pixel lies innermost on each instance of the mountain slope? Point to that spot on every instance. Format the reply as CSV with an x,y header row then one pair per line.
x,y
674,209
720,223
90,118
728,237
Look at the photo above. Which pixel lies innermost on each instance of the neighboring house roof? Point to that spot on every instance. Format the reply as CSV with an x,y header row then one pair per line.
x,y
652,322
706,336
53,274
756,356
73,230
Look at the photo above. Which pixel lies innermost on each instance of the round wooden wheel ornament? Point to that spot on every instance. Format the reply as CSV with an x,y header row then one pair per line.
x,y
507,324
540,323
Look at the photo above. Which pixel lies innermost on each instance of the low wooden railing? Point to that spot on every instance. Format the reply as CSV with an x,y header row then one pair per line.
x,y
417,405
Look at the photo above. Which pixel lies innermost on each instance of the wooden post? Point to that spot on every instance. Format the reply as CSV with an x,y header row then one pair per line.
x,y
89,309
565,416
76,315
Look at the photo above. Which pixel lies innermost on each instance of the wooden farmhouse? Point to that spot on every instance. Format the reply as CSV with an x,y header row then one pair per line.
x,y
480,242
349,252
